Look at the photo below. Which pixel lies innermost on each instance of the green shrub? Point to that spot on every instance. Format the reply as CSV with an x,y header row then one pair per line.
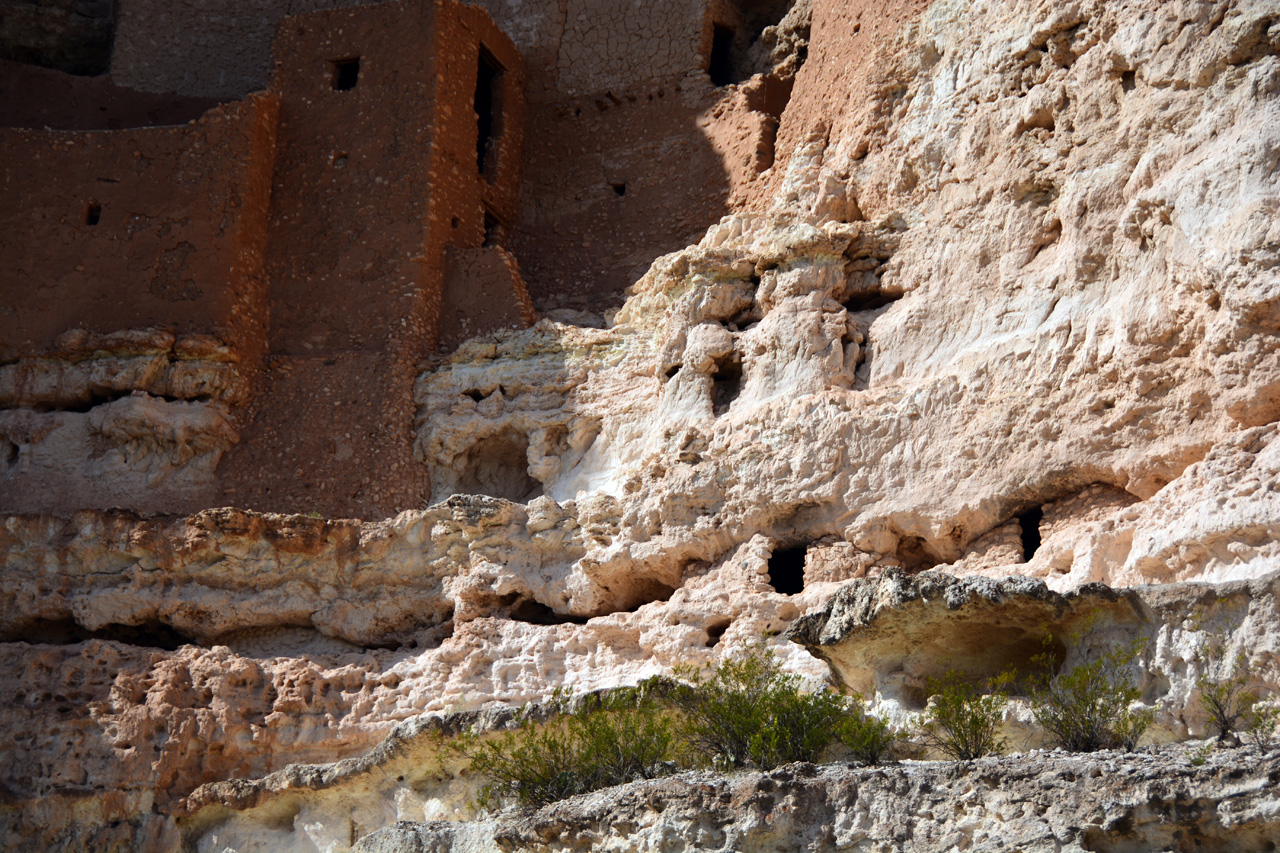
x,y
1226,701
1260,723
748,713
867,736
1087,709
963,721
601,741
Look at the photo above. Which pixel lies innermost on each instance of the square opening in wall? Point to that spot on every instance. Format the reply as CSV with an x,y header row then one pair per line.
x,y
346,73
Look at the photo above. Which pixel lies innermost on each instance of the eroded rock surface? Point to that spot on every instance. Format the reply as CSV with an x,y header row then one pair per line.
x,y
1039,802
1005,303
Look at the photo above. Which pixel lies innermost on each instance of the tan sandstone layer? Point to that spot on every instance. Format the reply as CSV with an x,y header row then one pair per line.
x,y
1011,310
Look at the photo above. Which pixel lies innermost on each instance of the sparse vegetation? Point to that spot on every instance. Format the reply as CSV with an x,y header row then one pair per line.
x,y
1088,708
749,713
1225,698
1260,723
868,737
1200,754
745,712
963,721
591,744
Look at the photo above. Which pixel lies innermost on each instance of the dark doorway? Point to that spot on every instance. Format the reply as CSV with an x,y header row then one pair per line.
x,y
488,106
720,68
346,74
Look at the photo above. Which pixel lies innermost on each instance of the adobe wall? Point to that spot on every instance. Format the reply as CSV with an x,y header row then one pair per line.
x,y
43,98
626,157
136,228
69,35
375,178
618,100
205,48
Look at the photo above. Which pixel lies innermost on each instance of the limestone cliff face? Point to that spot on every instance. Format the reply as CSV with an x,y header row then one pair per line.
x,y
1006,304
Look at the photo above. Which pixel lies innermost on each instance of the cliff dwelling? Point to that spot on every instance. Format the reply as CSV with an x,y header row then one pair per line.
x,y
577,424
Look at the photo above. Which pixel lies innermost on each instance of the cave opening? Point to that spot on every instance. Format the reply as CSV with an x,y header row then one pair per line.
x,y
346,74
870,301
786,570
726,383
715,631
1029,521
151,634
536,613
498,466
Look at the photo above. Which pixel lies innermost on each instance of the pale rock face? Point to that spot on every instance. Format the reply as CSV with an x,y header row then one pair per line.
x,y
1045,802
1012,311
139,449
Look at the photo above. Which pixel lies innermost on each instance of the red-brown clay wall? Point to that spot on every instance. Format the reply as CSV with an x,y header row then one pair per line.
x,y
616,94
177,243
352,184
374,180
611,183
839,81
619,166
206,48
42,98
461,195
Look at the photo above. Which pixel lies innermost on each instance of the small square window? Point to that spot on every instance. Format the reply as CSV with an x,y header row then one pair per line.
x,y
346,73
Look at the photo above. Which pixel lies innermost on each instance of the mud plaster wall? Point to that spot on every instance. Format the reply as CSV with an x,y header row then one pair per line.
x,y
618,169
373,183
618,97
207,48
178,219
43,98
70,35
482,291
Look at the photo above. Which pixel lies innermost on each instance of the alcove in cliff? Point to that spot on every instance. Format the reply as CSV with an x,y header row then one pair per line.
x,y
498,466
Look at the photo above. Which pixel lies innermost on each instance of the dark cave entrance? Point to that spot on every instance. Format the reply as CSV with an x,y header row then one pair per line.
x,y
786,570
726,383
1029,521
720,67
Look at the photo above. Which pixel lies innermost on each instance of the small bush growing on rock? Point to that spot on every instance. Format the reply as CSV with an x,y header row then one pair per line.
x,y
1260,724
749,713
597,742
867,736
963,721
1228,704
1087,709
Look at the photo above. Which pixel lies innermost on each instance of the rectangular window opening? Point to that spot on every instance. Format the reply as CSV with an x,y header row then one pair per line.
x,y
346,73
488,106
